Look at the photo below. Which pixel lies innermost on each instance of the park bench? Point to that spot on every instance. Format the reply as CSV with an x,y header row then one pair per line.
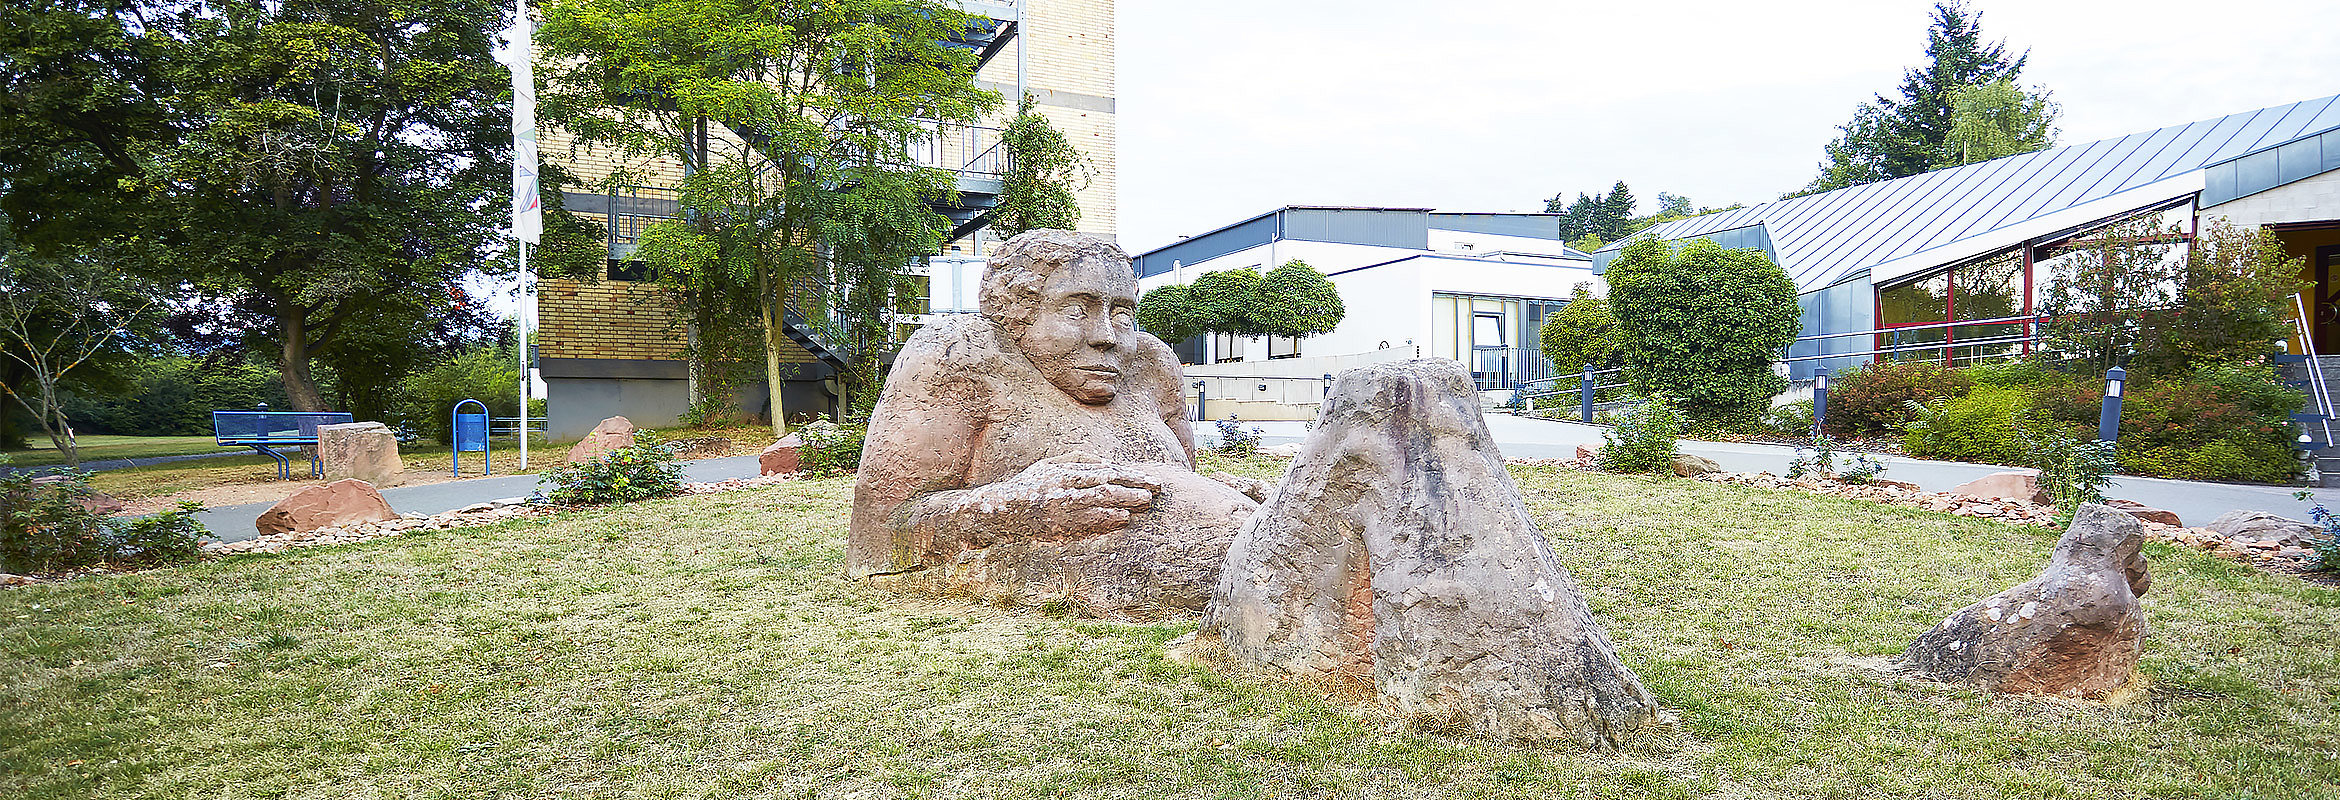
x,y
264,431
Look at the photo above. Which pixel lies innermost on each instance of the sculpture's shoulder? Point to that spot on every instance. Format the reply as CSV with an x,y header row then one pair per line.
x,y
1154,364
964,345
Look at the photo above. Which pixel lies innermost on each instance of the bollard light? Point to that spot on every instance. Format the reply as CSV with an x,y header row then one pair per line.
x,y
2108,420
1819,398
1584,393
1199,399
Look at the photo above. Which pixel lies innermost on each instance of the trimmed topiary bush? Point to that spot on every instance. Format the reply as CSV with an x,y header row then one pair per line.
x,y
1702,325
1583,332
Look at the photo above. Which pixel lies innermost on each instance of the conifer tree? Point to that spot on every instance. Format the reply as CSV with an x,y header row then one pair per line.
x,y
1892,137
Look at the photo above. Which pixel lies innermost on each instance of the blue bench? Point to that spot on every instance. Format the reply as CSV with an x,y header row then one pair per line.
x,y
264,431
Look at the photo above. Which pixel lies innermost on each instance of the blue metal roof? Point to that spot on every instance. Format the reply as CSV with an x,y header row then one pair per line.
x,y
1386,227
1820,239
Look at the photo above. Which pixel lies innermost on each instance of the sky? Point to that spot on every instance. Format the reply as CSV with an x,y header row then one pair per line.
x,y
1231,109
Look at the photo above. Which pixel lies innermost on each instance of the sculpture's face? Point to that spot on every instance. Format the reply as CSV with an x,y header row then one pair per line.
x,y
1087,310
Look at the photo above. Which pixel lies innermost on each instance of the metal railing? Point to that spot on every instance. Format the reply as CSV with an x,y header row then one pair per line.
x,y
968,150
1495,368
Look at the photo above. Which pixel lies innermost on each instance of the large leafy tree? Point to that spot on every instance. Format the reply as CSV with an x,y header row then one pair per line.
x,y
1995,120
1702,325
1044,171
1292,300
797,120
1893,137
59,315
316,162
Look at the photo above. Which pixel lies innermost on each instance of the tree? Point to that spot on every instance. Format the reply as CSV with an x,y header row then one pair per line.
x,y
793,106
1044,171
1891,138
2103,281
57,314
1583,333
1292,300
1616,220
1674,205
319,163
1996,120
1702,325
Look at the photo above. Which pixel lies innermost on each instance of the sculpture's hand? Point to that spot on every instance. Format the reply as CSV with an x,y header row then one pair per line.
x,y
1067,496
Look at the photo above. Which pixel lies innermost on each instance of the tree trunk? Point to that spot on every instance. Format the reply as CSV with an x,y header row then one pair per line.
x,y
774,317
299,388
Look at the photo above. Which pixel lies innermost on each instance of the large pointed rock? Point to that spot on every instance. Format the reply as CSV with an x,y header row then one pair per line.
x,y
367,451
1397,554
2075,630
344,502
611,434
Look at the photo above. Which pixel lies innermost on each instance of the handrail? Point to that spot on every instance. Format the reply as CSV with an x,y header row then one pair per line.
x,y
2307,342
1921,327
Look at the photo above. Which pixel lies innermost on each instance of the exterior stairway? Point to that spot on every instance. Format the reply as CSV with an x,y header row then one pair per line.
x,y
2317,420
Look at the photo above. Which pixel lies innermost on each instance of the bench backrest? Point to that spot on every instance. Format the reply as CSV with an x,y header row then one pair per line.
x,y
272,427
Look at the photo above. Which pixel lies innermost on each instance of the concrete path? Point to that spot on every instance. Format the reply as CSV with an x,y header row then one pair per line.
x,y
2195,502
126,463
234,523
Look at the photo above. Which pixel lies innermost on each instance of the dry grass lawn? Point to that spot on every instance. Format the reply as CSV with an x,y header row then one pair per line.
x,y
707,647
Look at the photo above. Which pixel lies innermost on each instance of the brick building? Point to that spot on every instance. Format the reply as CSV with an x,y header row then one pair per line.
x,y
615,346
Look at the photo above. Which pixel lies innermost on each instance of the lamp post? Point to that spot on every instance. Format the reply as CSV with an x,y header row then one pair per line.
x,y
2108,421
1199,415
1584,395
1819,399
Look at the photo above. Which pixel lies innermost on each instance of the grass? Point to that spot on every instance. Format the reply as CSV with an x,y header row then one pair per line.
x,y
708,647
101,447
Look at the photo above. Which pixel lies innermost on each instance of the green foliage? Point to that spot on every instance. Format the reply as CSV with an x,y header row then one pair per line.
x,y
1820,461
1702,325
1584,332
1044,172
1593,220
1874,399
2072,469
1791,419
1642,439
830,447
1171,313
44,527
640,471
487,373
2234,299
1995,120
1895,137
2326,547
2222,423
175,395
1978,427
1228,301
2110,274
1298,301
1234,441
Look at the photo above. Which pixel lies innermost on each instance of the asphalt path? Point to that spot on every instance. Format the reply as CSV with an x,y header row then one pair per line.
x,y
2195,502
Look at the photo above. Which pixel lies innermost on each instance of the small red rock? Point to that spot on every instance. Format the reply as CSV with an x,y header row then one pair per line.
x,y
781,458
343,502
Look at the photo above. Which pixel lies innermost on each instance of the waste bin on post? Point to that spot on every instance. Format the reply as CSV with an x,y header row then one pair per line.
x,y
471,436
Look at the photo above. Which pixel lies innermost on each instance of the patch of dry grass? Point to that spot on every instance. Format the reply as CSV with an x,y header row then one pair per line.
x,y
708,647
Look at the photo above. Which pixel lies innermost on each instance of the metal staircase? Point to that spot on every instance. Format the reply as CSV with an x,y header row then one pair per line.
x,y
2317,419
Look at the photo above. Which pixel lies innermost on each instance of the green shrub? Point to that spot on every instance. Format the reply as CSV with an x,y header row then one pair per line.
x,y
1643,439
2219,423
1792,419
488,373
639,471
1978,427
830,447
44,527
1703,325
1582,332
2073,468
1875,399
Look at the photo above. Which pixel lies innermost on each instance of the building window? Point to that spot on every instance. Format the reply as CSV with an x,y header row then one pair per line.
x,y
1486,331
1226,347
1283,347
628,270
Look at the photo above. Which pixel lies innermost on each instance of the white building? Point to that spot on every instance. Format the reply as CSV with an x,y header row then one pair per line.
x,y
1416,283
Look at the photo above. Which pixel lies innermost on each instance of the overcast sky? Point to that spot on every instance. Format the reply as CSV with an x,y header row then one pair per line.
x,y
1229,109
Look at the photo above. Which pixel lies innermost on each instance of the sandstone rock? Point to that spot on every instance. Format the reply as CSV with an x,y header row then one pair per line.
x,y
2243,527
1588,452
2022,486
2075,630
1398,555
1030,457
1902,485
344,502
367,451
611,434
2144,512
1690,466
92,500
779,458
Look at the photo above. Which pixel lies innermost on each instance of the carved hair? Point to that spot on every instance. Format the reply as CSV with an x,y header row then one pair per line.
x,y
1020,267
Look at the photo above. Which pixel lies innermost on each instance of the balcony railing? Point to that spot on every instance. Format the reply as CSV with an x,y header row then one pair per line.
x,y
971,151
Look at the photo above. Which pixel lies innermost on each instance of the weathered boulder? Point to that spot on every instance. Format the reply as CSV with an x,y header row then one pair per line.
x,y
92,500
1398,555
611,434
1030,455
1588,452
780,458
2246,527
1690,466
344,502
2144,512
2075,630
2022,486
367,451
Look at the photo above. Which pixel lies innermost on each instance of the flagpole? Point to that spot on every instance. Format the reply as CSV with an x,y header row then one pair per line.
x,y
527,388
527,201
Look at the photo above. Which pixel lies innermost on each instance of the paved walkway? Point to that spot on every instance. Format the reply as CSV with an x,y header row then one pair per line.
x,y
126,463
2195,502
1520,437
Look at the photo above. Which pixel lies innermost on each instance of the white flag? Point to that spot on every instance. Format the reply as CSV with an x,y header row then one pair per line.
x,y
527,205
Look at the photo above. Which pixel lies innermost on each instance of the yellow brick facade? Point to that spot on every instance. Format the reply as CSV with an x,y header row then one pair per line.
x,y
609,319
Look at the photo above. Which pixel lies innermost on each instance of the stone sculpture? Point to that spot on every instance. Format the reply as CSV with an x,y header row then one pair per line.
x,y
1398,555
1040,451
367,451
2075,630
